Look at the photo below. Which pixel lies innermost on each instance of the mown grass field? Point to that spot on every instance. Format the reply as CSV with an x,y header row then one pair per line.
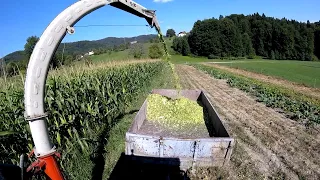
x,y
302,72
120,55
178,59
113,56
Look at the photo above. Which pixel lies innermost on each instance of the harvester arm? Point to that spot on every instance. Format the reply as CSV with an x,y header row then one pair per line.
x,y
38,66
138,10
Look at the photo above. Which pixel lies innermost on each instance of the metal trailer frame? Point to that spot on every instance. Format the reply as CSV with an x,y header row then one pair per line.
x,y
191,152
38,66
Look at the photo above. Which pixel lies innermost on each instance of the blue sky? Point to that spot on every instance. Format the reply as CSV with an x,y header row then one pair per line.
x,y
20,19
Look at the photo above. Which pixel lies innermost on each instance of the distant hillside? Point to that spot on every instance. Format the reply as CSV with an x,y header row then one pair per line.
x,y
81,47
15,56
85,46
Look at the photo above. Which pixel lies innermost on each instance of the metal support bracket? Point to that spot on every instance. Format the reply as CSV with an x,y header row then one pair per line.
x,y
37,117
70,30
39,164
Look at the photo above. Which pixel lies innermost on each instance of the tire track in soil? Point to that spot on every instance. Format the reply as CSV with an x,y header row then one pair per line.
x,y
268,144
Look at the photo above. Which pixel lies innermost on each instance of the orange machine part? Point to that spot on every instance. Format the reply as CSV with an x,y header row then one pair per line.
x,y
51,167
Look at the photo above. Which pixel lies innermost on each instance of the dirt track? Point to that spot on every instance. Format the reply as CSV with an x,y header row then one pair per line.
x,y
268,144
311,92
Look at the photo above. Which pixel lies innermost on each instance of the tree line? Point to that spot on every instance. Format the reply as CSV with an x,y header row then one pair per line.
x,y
63,56
14,67
250,36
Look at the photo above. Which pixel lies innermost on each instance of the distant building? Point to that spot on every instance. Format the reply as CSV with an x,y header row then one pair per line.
x,y
91,53
181,34
133,42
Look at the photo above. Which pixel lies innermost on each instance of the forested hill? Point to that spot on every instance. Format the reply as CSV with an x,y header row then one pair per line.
x,y
85,46
240,35
82,47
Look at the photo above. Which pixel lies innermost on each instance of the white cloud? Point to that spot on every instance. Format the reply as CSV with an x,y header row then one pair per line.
x,y
161,1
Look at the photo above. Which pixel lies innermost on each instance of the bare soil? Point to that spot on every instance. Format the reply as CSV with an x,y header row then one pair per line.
x,y
307,91
268,145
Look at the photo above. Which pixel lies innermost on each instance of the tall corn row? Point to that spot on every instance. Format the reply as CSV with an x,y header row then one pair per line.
x,y
78,103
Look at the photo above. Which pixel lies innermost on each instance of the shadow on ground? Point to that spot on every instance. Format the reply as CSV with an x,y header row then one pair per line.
x,y
146,168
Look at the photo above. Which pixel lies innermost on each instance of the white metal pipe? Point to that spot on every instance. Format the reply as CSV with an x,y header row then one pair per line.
x,y
38,69
44,50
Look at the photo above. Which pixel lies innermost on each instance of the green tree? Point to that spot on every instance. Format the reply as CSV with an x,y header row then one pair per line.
x,y
170,33
204,38
154,40
230,38
272,55
181,45
244,25
258,37
270,37
176,45
136,51
317,42
12,69
56,60
155,51
29,46
185,48
247,45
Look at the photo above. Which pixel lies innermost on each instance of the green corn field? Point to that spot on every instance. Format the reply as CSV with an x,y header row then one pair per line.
x,y
79,101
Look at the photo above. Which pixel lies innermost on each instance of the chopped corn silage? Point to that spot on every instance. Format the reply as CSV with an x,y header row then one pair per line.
x,y
177,113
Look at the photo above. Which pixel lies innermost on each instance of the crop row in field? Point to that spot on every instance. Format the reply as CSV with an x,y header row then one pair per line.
x,y
296,106
80,104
